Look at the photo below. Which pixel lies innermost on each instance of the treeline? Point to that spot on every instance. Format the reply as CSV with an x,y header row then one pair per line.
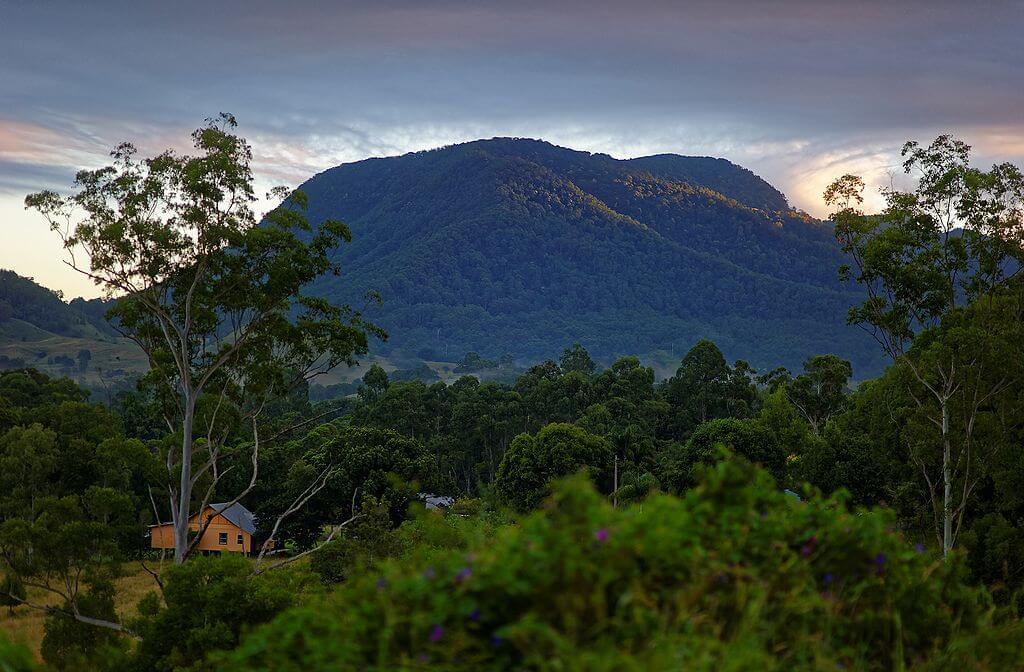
x,y
78,487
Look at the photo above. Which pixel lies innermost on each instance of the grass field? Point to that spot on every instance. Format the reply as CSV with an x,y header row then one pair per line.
x,y
25,625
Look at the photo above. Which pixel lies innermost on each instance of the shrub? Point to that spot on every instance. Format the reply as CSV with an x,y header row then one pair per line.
x,y
368,541
69,644
208,602
735,575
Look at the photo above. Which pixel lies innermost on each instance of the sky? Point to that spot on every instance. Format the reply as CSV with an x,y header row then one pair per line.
x,y
799,91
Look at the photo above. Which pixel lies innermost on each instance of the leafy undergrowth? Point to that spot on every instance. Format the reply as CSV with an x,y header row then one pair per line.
x,y
736,575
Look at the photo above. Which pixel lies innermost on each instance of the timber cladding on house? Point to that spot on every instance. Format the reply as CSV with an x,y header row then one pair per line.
x,y
231,529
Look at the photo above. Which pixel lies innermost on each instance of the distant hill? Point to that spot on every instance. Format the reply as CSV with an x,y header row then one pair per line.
x,y
39,329
518,246
24,300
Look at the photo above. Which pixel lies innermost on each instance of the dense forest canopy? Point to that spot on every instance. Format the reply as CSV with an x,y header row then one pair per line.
x,y
515,246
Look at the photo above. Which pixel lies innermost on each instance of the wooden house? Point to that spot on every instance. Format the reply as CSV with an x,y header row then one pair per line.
x,y
231,530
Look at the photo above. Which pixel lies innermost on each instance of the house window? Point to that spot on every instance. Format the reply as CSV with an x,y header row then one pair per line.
x,y
223,539
241,539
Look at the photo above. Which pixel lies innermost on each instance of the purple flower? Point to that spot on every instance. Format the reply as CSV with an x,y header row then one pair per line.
x,y
382,583
429,573
828,578
919,547
474,615
436,633
601,535
880,563
463,574
496,641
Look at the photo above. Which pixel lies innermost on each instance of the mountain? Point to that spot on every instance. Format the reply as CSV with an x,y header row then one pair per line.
x,y
25,302
39,329
518,246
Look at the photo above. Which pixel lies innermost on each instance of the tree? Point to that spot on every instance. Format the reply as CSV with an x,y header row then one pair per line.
x,y
84,357
207,604
213,297
69,550
356,464
577,359
820,392
954,239
69,644
12,592
531,463
375,384
705,387
746,438
28,462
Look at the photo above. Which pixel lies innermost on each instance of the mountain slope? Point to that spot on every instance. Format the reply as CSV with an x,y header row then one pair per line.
x,y
22,299
518,246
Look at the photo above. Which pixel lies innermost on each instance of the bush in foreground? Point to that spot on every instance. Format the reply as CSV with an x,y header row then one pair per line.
x,y
14,658
734,576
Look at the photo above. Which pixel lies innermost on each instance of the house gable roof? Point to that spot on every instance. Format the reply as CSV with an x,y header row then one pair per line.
x,y
238,515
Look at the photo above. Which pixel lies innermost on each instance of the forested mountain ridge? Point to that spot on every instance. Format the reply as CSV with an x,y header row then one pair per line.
x,y
24,300
518,246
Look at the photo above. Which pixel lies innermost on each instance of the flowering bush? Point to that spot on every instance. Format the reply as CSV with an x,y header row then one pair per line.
x,y
735,575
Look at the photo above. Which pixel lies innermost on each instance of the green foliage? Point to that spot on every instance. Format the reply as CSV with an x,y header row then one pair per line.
x,y
71,645
736,575
15,658
362,545
209,601
422,373
949,241
577,359
746,438
366,465
60,447
995,546
12,592
821,391
375,383
705,387
532,462
474,363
